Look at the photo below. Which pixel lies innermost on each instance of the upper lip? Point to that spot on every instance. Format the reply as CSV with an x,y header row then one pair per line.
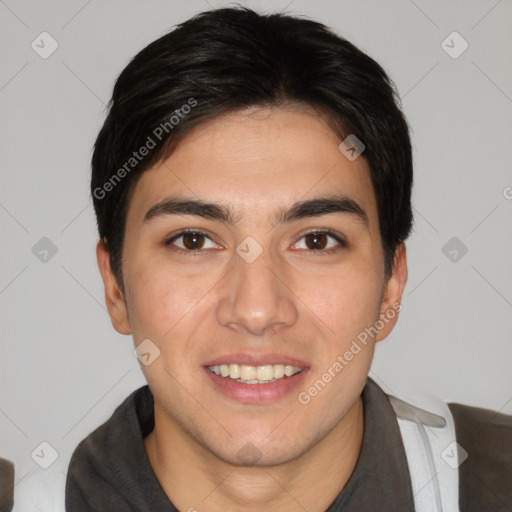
x,y
257,360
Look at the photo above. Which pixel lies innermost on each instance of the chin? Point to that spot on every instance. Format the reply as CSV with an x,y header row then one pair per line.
x,y
260,450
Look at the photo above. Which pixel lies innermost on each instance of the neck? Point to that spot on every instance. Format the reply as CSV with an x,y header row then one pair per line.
x,y
195,479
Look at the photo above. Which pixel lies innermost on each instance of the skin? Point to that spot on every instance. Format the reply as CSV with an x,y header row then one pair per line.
x,y
289,300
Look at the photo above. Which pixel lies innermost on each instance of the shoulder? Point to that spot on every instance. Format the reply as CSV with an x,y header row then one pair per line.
x,y
485,476
96,446
98,464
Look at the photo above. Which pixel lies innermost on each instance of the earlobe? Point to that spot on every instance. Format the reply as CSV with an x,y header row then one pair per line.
x,y
114,299
391,302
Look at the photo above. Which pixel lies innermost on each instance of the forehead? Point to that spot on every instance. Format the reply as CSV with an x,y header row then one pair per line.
x,y
255,160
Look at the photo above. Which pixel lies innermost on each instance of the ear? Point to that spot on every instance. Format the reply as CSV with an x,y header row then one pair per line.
x,y
113,296
390,306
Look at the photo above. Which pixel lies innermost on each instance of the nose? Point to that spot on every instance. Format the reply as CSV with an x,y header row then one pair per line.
x,y
256,296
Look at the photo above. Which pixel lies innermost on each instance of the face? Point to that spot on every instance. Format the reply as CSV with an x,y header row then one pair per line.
x,y
281,273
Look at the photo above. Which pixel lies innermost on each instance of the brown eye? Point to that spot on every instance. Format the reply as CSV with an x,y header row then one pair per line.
x,y
191,241
316,240
322,242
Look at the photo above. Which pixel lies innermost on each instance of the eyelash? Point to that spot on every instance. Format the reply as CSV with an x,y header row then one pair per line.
x,y
318,252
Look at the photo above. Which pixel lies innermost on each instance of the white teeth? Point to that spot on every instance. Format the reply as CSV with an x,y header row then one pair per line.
x,y
265,372
278,371
248,372
234,371
289,370
255,374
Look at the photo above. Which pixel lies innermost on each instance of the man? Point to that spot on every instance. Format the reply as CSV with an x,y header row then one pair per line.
x,y
252,187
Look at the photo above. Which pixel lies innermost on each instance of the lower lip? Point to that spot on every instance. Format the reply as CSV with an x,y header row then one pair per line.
x,y
257,393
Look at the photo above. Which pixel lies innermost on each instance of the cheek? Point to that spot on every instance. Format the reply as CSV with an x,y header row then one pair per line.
x,y
160,299
347,302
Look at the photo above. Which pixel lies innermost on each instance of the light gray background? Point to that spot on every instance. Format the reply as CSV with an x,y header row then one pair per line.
x,y
63,369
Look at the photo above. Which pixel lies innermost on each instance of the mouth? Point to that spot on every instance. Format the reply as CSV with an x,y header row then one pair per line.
x,y
253,380
262,374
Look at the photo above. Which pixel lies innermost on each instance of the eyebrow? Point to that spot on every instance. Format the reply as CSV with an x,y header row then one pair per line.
x,y
219,212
